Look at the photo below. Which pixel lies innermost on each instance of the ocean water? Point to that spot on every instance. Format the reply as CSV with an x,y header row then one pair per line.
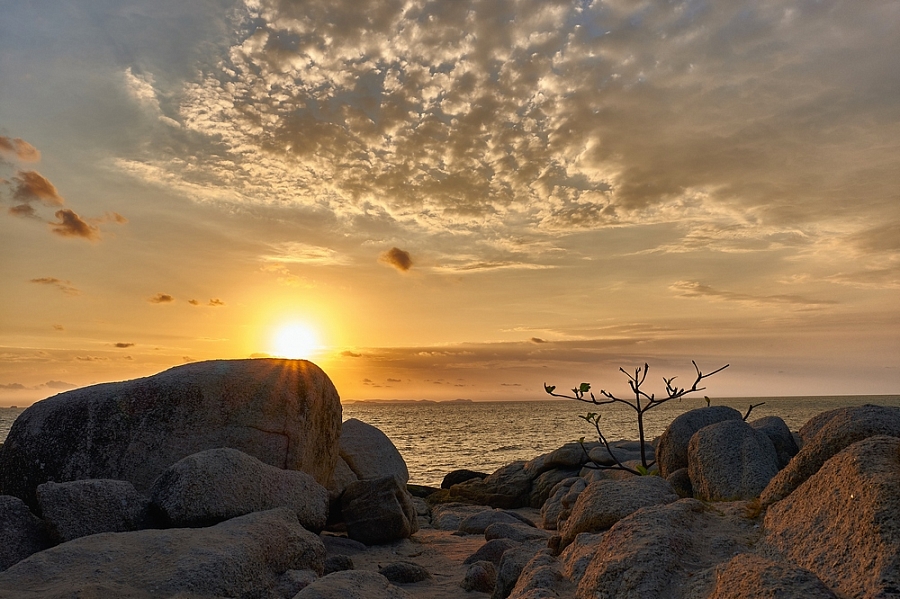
x,y
436,438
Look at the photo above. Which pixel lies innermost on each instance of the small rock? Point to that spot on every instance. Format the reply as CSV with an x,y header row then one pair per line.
x,y
460,476
542,486
511,565
780,435
370,453
541,577
404,572
22,533
342,545
517,532
561,501
492,551
293,581
338,563
481,576
353,584
681,483
477,523
448,516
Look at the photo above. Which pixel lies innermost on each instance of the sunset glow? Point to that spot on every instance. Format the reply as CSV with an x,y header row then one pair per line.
x,y
295,341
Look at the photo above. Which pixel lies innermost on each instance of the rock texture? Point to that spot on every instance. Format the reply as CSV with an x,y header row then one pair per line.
x,y
824,436
781,436
369,453
86,507
219,484
604,503
353,584
730,460
21,532
559,505
843,523
239,558
378,511
481,576
671,449
477,523
286,413
749,576
508,487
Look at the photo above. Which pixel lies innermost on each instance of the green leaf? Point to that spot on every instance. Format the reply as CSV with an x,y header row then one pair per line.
x,y
584,387
549,388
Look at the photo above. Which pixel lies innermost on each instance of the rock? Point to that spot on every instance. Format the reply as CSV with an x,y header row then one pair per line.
x,y
623,450
421,491
780,435
219,484
517,532
604,503
681,483
338,563
730,460
509,487
341,477
242,557
477,523
749,576
481,576
511,565
342,545
460,476
576,557
293,581
404,572
671,449
378,511
656,551
448,516
541,577
570,456
22,533
842,522
353,584
543,485
559,505
369,453
492,551
826,435
85,507
286,413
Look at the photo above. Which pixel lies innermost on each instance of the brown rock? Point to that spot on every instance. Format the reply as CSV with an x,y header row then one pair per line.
x,y
369,453
730,460
749,576
672,447
378,511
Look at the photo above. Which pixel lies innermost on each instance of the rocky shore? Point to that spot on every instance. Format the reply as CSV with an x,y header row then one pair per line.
x,y
238,479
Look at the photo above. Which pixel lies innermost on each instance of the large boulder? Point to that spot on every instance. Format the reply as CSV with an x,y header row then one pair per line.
x,y
605,502
286,413
671,449
843,523
85,507
370,453
242,557
730,460
542,486
511,565
378,511
781,436
353,584
219,484
559,505
748,576
21,532
507,487
542,577
824,436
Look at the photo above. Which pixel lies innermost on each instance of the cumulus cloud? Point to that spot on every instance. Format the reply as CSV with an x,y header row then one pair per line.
x,y
19,149
64,286
161,298
399,259
72,225
31,186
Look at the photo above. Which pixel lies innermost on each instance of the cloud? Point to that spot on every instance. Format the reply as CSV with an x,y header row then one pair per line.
x,y
194,302
72,225
64,286
20,149
31,186
399,259
693,289
349,354
215,302
121,345
261,355
302,253
161,298
13,386
538,340
59,385
23,210
59,327
390,380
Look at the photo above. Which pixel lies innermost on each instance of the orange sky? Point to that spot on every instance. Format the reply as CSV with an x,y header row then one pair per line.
x,y
461,200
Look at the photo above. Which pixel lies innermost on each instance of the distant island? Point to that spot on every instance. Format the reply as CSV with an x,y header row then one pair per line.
x,y
405,401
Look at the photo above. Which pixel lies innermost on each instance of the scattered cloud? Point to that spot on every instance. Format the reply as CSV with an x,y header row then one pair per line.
x,y
302,253
72,225
538,340
63,285
140,87
187,359
693,289
394,380
59,327
31,186
161,298
350,354
13,386
123,345
399,259
194,302
215,302
19,148
59,385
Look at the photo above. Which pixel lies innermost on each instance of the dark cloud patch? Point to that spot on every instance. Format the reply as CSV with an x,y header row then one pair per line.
x,y
187,359
884,238
60,385
394,380
19,148
350,354
537,340
113,217
510,384
399,259
64,286
23,210
194,302
161,298
215,302
59,327
122,345
31,186
72,225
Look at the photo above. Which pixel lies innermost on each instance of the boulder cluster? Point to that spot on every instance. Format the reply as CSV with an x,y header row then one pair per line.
x,y
238,479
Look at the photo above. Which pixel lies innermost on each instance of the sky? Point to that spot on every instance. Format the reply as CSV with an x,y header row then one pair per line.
x,y
452,199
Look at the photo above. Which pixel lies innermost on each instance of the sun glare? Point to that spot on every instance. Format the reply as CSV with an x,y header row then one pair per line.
x,y
295,341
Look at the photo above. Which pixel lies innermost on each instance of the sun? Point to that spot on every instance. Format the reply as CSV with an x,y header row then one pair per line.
x,y
295,341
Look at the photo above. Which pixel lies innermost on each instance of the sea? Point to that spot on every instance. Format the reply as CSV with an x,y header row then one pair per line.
x,y
438,437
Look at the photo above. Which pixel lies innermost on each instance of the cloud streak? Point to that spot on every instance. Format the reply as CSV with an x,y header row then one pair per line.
x,y
64,286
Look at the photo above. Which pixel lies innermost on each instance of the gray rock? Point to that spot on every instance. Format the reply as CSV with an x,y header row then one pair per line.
x,y
681,483
730,460
460,476
22,533
780,435
749,576
242,557
342,545
481,576
568,457
448,516
543,485
842,522
576,557
604,503
85,507
341,477
218,484
511,565
293,581
477,523
286,413
492,551
826,435
404,572
508,487
671,449
369,453
338,563
541,577
352,584
559,505
378,511
517,532
624,451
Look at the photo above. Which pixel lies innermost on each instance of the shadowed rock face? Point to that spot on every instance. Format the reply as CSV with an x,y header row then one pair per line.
x,y
285,413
